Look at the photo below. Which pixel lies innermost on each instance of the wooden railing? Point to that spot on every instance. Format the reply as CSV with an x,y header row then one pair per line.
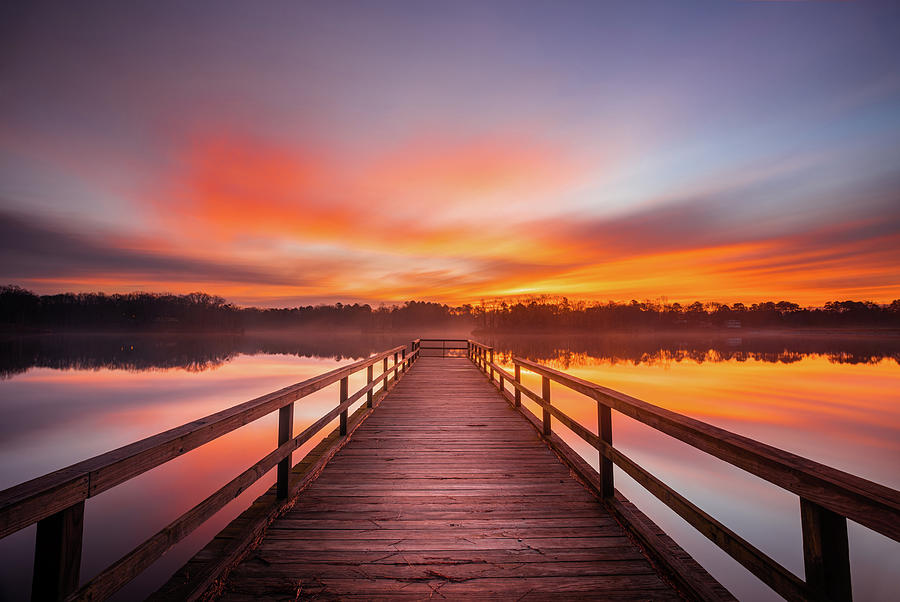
x,y
56,501
828,497
444,347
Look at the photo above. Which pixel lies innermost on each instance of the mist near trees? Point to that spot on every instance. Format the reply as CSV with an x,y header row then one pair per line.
x,y
22,311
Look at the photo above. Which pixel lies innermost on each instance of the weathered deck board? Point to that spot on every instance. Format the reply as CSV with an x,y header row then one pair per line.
x,y
445,491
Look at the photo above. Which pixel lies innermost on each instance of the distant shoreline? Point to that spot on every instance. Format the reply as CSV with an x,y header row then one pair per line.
x,y
475,334
698,332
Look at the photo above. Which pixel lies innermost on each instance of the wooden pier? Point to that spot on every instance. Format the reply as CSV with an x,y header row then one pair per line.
x,y
441,484
446,489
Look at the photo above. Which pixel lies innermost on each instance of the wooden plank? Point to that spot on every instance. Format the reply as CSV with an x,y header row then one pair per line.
x,y
637,587
457,571
449,558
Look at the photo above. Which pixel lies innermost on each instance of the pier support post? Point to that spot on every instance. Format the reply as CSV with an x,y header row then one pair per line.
x,y
545,395
344,388
285,432
604,429
518,381
826,552
57,554
492,368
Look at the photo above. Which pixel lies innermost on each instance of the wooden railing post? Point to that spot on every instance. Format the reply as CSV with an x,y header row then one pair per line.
x,y
403,358
57,554
500,376
518,381
545,395
826,552
344,388
396,355
604,429
387,376
492,368
285,432
369,378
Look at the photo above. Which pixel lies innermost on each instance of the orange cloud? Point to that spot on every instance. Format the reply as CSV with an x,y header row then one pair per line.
x,y
417,198
458,221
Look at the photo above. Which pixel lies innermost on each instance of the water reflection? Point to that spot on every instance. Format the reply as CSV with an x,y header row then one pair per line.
x,y
830,398
566,352
197,353
194,353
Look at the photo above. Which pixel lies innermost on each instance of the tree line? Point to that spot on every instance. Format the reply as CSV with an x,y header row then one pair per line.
x,y
22,310
559,314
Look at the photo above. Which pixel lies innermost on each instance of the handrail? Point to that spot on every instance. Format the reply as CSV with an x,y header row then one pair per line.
x,y
827,496
56,500
443,346
865,502
478,345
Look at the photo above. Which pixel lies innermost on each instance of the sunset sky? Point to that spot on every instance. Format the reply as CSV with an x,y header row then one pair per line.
x,y
294,153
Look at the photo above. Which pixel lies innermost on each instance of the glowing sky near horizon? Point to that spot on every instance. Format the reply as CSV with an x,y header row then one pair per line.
x,y
285,153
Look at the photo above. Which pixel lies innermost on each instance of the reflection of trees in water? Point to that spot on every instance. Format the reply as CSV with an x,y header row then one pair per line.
x,y
206,352
197,353
577,351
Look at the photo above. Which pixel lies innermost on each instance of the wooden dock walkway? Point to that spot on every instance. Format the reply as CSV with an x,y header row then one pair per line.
x,y
440,483
446,490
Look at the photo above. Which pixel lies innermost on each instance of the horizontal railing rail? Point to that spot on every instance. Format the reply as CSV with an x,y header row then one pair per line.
x,y
447,347
56,500
828,497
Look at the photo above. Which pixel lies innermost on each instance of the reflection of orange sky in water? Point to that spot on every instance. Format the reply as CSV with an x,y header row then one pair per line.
x,y
847,416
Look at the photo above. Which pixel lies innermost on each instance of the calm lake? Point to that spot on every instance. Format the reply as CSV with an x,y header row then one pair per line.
x,y
832,399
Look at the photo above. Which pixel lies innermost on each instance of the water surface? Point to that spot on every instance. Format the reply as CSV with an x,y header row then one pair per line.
x,y
832,399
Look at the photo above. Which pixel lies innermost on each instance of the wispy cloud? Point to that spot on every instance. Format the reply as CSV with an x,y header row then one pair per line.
x,y
35,249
